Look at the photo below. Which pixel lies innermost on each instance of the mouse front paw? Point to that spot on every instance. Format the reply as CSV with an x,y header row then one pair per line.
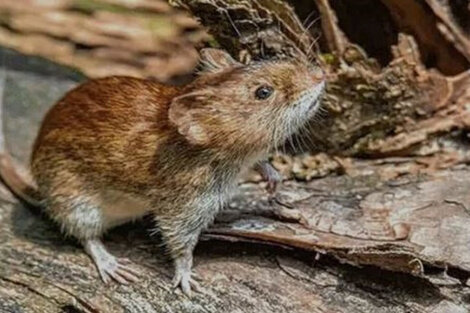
x,y
273,181
270,175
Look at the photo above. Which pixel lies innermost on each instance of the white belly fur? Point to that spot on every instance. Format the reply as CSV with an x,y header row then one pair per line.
x,y
118,207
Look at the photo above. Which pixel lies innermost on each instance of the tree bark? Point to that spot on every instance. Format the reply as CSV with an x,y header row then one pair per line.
x,y
106,37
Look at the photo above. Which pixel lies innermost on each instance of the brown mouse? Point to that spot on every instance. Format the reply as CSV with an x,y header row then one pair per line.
x,y
115,149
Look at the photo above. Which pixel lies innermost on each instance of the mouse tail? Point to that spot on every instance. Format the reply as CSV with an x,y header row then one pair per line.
x,y
9,174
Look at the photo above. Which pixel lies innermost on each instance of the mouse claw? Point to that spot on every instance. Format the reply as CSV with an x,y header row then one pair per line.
x,y
104,276
187,284
119,272
196,277
109,267
271,186
124,261
184,276
130,274
273,183
270,175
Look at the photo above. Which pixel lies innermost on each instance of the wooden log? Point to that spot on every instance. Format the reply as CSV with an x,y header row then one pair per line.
x,y
136,36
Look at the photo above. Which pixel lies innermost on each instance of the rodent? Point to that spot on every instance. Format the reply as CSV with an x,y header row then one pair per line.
x,y
115,149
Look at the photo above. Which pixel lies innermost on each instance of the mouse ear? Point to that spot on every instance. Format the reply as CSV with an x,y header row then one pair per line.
x,y
216,60
187,118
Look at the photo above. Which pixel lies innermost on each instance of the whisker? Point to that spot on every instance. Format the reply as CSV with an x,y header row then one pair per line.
x,y
308,17
233,24
302,137
310,49
307,135
306,35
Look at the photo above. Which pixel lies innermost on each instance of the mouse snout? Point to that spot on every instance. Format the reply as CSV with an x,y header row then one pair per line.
x,y
317,75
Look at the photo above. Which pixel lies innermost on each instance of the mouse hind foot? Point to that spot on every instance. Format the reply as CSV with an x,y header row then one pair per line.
x,y
110,267
180,244
81,217
184,277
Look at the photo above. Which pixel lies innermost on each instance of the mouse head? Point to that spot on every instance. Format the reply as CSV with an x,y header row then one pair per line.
x,y
240,107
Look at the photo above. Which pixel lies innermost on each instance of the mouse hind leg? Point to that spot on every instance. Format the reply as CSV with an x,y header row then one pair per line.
x,y
81,218
181,236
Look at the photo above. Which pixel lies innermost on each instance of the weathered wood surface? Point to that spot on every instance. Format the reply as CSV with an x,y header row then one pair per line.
x,y
40,271
105,37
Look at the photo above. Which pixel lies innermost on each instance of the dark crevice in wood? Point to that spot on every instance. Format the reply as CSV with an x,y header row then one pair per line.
x,y
309,15
461,11
355,19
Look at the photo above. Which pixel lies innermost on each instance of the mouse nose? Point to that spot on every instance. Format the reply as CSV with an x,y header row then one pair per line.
x,y
317,75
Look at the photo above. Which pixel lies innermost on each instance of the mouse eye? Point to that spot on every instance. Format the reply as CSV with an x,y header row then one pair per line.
x,y
264,92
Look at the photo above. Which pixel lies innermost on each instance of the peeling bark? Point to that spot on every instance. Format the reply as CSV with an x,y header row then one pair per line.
x,y
102,38
440,52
